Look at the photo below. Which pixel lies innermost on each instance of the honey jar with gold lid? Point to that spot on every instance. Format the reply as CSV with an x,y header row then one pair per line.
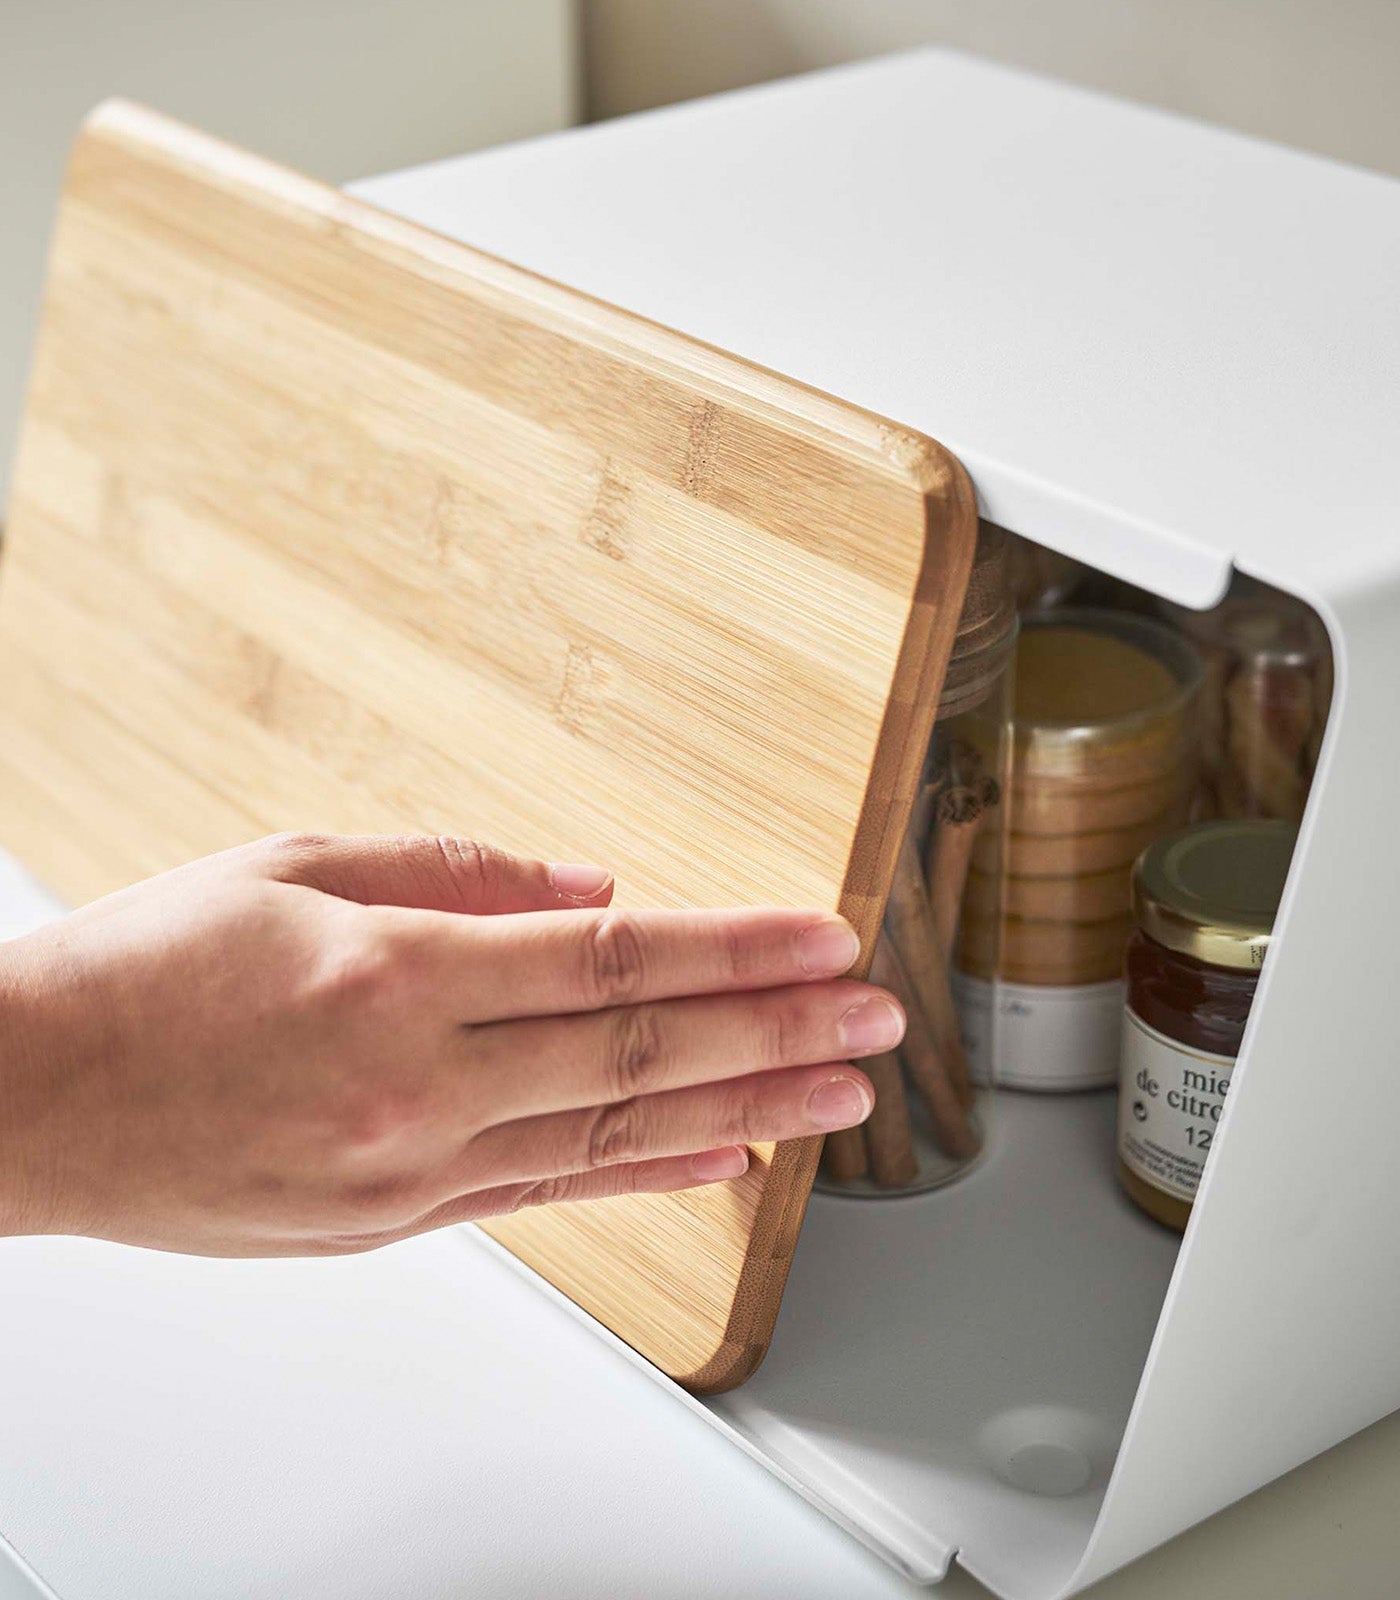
x,y
1204,900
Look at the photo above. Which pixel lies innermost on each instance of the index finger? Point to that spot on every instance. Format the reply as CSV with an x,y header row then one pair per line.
x,y
547,963
429,872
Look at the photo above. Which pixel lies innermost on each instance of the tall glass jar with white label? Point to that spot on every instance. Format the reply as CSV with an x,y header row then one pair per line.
x,y
1103,763
1204,901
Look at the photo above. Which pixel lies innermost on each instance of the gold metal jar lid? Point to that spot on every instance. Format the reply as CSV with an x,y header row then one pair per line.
x,y
1211,891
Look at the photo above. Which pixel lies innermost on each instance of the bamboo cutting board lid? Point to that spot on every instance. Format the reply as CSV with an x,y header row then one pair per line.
x,y
323,522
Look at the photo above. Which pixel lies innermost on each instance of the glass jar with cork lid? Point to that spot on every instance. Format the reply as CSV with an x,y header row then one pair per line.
x,y
1204,901
931,1118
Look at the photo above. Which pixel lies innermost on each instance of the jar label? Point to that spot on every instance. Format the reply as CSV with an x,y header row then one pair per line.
x,y
1169,1102
1043,1036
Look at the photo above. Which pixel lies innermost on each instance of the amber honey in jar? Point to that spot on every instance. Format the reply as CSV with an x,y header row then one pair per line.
x,y
1204,900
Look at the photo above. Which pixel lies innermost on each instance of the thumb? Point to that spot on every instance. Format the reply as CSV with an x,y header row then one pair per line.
x,y
431,872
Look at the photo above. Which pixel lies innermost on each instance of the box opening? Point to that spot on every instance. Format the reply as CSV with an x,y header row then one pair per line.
x,y
953,1372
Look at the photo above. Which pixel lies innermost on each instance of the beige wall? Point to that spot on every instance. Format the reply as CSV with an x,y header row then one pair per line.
x,y
1324,74
340,88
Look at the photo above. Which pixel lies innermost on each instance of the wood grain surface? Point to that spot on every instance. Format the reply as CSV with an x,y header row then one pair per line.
x,y
323,522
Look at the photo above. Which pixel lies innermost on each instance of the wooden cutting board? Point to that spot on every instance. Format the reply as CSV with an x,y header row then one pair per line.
x,y
323,522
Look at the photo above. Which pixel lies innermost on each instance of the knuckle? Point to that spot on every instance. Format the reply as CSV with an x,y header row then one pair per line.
x,y
782,1030
370,965
379,1206
748,1118
617,959
474,867
289,848
740,958
638,1051
614,1134
545,1192
380,1116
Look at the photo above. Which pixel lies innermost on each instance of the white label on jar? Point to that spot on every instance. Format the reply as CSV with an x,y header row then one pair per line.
x,y
1169,1104
1050,1037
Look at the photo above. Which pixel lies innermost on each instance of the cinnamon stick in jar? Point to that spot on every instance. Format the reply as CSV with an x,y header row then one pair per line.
x,y
889,1140
923,1057
958,818
913,931
844,1156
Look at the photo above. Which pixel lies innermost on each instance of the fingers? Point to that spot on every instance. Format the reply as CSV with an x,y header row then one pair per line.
x,y
589,960
430,872
787,1104
544,1064
663,1176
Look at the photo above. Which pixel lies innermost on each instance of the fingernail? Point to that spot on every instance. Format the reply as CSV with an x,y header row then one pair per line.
x,y
839,1103
874,1024
827,948
576,882
716,1164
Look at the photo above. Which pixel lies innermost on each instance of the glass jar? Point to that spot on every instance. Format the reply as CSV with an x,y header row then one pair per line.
x,y
932,1110
1103,763
1204,901
1264,703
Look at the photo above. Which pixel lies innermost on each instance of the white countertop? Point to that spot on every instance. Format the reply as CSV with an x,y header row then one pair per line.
x,y
422,1422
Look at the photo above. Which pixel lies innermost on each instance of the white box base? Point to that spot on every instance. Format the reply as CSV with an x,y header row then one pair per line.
x,y
953,1373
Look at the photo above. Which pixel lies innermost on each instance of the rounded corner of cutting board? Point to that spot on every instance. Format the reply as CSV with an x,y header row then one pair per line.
x,y
760,1289
732,1364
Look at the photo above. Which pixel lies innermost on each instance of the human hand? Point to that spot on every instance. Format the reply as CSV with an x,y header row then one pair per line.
x,y
319,1045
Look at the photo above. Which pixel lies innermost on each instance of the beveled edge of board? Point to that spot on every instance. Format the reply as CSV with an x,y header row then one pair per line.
x,y
901,453
948,534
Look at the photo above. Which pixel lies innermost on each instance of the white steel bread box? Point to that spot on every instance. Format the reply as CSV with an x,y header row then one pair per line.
x,y
1172,353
